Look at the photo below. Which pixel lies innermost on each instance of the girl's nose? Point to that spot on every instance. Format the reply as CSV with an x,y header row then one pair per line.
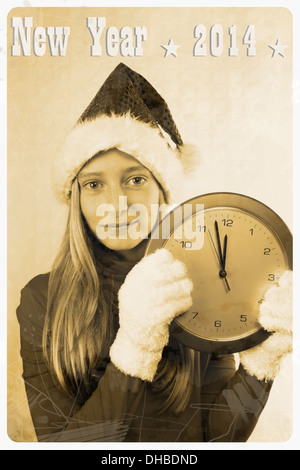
x,y
117,198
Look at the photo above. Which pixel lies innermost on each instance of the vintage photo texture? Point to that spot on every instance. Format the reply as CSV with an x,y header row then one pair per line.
x,y
230,93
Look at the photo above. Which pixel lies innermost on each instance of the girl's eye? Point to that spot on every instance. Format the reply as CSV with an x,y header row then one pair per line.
x,y
92,185
137,180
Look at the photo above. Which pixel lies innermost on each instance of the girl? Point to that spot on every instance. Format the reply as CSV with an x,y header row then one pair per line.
x,y
98,361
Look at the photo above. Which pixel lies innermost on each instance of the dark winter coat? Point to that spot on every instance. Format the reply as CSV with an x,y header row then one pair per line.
x,y
225,404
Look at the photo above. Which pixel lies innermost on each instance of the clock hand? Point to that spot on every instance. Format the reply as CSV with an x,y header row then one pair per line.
x,y
219,244
224,252
223,272
221,256
211,238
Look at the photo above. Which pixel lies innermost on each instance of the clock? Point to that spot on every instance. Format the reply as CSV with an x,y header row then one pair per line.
x,y
234,248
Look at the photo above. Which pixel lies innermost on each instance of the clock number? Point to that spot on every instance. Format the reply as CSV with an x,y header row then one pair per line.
x,y
251,231
243,318
186,245
271,277
218,323
195,314
202,228
267,251
227,222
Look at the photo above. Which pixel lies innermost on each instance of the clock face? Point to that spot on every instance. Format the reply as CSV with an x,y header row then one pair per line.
x,y
227,292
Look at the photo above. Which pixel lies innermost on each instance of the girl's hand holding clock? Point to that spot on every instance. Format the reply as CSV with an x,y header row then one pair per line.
x,y
275,316
155,291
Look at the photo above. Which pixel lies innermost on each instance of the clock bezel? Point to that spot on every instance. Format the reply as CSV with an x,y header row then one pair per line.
x,y
232,201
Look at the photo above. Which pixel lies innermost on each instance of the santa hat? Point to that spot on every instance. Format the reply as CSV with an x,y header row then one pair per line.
x,y
128,114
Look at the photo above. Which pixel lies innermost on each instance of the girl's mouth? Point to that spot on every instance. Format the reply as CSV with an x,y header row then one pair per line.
x,y
124,224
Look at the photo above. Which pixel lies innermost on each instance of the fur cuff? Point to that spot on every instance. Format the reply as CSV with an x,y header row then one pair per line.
x,y
132,360
263,361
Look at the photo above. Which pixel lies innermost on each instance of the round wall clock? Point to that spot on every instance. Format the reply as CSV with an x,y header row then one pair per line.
x,y
235,248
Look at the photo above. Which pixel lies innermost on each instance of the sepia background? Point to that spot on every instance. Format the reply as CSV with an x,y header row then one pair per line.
x,y
238,110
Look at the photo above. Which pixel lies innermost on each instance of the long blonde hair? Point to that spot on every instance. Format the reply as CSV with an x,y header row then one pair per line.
x,y
79,329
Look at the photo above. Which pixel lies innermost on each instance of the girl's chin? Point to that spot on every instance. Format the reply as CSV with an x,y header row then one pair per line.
x,y
120,245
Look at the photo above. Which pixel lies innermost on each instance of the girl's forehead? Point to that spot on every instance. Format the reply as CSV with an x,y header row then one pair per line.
x,y
109,160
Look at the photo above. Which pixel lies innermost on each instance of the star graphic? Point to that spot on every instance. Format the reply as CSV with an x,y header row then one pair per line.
x,y
278,48
170,48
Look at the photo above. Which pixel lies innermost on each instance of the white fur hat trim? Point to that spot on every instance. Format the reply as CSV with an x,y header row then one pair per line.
x,y
125,133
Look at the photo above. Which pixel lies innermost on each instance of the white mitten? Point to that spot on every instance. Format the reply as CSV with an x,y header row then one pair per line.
x,y
154,292
263,361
